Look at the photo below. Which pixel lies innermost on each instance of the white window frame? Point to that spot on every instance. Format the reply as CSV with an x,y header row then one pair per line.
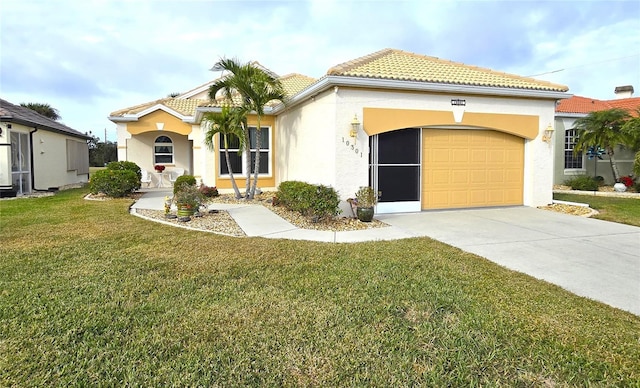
x,y
155,154
247,154
569,141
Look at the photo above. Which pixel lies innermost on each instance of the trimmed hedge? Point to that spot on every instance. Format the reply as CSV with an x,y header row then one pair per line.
x,y
317,201
583,183
125,165
114,183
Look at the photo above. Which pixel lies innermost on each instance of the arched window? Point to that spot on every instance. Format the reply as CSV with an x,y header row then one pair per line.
x,y
163,150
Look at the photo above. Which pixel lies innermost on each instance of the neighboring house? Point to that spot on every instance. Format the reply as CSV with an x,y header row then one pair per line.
x,y
568,164
429,134
37,153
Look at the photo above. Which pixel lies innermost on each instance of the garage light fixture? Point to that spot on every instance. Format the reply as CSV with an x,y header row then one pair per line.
x,y
546,137
355,126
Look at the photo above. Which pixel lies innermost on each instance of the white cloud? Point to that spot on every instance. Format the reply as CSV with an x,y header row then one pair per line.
x,y
89,58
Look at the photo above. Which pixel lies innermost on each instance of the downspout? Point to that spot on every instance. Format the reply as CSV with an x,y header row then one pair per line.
x,y
33,174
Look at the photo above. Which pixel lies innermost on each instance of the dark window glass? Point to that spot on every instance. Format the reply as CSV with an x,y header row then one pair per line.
x,y
236,163
264,138
163,159
264,162
399,147
399,183
233,142
163,139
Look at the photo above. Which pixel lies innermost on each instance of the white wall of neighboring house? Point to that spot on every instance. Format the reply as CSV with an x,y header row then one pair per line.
x,y
49,163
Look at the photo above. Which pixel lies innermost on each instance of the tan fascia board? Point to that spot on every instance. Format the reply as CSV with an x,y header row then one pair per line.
x,y
330,81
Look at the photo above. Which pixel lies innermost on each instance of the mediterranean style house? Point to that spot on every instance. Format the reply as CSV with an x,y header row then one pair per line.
x,y
426,133
39,154
569,164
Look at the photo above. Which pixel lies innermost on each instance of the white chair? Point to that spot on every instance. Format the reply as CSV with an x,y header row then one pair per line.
x,y
146,177
174,174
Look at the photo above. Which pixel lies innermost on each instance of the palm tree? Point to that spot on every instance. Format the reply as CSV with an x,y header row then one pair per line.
x,y
44,109
632,129
604,129
255,87
229,122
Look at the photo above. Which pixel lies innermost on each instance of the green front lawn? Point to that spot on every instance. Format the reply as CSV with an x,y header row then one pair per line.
x,y
621,210
90,295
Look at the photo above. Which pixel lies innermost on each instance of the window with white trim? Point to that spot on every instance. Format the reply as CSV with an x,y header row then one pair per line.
x,y
571,161
238,159
163,150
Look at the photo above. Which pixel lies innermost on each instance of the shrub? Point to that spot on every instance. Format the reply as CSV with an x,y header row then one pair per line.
x,y
583,183
188,179
316,201
208,191
125,165
325,202
114,183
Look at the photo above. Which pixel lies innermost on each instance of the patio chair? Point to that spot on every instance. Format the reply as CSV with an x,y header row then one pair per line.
x,y
174,174
145,177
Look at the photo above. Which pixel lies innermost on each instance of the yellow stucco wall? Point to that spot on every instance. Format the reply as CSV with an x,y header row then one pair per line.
x,y
380,120
224,182
148,123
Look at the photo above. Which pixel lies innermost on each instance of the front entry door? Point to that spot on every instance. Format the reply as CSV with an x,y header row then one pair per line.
x,y
394,169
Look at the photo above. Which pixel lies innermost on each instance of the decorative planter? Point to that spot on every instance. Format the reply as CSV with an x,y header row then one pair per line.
x,y
185,211
365,214
620,187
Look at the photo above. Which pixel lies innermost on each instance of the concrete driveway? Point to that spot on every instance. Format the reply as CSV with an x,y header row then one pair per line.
x,y
592,258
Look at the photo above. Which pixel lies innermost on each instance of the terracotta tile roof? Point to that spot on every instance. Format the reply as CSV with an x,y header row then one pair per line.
x,y
19,114
405,66
630,104
579,104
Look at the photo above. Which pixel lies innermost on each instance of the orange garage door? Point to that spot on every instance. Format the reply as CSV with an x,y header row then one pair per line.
x,y
471,168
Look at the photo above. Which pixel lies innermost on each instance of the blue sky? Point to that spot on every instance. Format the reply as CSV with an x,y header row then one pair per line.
x,y
88,58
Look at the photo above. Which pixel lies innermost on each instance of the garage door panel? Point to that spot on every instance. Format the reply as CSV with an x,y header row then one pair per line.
x,y
471,168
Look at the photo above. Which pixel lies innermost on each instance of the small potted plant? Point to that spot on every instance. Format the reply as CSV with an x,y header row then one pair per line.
x,y
366,199
159,168
188,199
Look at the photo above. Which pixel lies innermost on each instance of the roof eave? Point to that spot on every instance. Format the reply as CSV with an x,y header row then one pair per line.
x,y
330,81
31,124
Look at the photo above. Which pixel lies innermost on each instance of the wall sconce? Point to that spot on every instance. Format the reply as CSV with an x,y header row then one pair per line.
x,y
355,126
546,137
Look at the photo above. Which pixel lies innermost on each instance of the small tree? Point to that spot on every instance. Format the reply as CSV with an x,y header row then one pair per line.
x,y
230,122
632,128
604,129
43,109
256,87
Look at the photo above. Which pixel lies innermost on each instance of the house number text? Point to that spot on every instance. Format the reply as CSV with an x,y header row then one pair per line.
x,y
352,146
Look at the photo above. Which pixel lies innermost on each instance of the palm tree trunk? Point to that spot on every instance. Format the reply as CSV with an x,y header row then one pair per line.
x,y
257,162
247,163
614,165
233,181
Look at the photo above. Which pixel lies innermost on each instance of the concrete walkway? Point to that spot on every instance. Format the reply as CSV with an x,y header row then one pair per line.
x,y
591,258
